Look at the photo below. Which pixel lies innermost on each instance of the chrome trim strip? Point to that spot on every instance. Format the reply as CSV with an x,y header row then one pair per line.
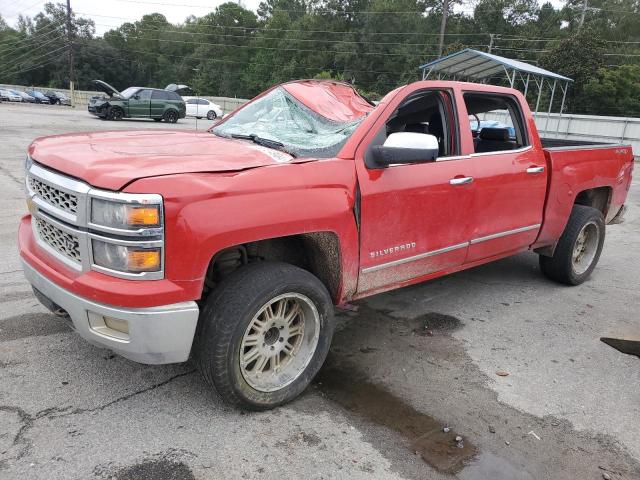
x,y
414,258
502,152
504,234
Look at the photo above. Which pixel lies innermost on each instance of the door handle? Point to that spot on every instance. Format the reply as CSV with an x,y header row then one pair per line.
x,y
535,170
460,180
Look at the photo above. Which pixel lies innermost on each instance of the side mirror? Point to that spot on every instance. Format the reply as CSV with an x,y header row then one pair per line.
x,y
136,97
406,147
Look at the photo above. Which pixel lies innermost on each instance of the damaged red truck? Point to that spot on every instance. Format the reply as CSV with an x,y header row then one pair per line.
x,y
233,245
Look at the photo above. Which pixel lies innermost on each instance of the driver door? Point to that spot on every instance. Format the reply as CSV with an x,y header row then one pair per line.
x,y
415,219
139,104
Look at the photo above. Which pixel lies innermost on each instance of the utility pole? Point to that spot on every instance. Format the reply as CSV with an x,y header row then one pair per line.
x,y
490,42
443,25
70,47
584,11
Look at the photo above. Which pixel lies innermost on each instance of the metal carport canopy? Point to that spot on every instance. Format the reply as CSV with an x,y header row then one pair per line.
x,y
477,66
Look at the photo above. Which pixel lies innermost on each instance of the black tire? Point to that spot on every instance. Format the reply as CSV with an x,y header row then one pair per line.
x,y
226,316
170,116
157,119
561,267
211,115
115,113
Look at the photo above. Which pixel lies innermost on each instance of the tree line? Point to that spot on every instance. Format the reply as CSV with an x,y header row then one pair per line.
x,y
375,44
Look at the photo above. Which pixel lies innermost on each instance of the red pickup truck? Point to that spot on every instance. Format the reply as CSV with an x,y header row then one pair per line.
x,y
233,245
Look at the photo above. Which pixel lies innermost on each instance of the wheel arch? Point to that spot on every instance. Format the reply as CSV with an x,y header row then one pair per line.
x,y
319,253
595,197
598,198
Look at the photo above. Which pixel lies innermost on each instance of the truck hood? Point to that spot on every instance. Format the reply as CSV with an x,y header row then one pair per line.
x,y
113,159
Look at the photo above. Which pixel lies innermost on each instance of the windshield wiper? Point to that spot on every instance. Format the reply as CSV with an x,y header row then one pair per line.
x,y
265,142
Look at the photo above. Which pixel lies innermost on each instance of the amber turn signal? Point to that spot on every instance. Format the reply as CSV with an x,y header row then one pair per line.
x,y
143,216
143,260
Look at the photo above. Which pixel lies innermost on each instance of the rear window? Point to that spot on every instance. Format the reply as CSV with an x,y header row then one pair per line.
x,y
173,96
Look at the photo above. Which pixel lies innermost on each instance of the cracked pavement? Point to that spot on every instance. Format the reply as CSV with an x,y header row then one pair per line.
x,y
568,409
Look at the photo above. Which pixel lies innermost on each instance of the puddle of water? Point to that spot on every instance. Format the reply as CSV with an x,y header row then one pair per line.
x,y
488,466
375,404
630,347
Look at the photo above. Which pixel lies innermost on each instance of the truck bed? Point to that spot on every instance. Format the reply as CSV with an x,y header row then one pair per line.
x,y
561,143
573,166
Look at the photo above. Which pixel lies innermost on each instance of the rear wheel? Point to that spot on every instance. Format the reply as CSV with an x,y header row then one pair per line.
x,y
263,335
115,113
578,249
211,115
170,116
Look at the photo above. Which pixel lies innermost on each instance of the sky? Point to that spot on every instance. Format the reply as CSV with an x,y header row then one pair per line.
x,y
100,11
109,14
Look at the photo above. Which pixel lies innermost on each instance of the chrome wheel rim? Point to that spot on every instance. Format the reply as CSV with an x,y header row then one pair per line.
x,y
585,248
279,342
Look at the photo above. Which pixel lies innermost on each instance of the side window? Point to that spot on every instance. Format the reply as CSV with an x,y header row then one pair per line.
x,y
173,96
202,101
428,112
144,94
496,122
159,95
191,101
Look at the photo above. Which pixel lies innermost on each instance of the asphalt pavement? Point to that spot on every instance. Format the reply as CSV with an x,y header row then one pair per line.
x,y
409,371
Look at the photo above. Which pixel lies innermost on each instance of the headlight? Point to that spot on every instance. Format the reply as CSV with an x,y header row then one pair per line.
x,y
126,216
130,259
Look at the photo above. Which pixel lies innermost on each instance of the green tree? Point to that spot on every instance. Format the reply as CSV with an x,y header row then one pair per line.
x,y
614,91
578,57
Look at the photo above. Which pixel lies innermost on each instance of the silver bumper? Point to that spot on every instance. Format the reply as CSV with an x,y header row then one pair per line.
x,y
156,335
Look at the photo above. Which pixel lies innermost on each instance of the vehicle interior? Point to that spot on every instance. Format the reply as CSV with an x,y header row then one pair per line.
x,y
425,112
506,134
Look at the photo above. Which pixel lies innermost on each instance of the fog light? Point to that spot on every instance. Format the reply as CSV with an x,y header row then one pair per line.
x,y
113,328
117,324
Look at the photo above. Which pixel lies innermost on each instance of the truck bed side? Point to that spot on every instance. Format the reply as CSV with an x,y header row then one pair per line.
x,y
576,167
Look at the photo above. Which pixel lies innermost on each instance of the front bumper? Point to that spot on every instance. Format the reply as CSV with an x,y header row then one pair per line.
x,y
156,335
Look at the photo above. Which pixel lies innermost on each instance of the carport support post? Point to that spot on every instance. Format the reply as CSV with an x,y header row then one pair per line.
x,y
553,92
564,96
540,85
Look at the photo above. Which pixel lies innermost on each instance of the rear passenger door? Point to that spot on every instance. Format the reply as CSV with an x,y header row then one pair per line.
x,y
159,100
510,177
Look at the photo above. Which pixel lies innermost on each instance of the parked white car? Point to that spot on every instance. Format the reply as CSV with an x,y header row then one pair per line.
x,y
9,96
201,107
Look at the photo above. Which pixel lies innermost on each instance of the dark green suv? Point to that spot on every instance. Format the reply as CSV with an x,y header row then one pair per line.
x,y
137,102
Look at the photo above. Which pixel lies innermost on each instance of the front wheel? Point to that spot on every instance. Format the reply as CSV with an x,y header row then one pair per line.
x,y
115,113
211,115
578,249
263,335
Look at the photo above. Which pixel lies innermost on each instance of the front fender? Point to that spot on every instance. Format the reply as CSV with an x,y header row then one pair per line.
x,y
207,213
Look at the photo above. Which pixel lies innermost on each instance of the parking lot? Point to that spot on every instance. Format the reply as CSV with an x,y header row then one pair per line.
x,y
498,355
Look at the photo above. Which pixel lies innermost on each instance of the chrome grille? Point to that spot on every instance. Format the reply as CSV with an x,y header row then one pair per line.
x,y
62,242
54,196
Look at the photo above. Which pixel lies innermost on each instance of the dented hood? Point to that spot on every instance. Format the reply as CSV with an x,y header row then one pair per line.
x,y
111,160
335,101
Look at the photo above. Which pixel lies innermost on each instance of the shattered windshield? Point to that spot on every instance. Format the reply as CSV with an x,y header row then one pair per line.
x,y
279,117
